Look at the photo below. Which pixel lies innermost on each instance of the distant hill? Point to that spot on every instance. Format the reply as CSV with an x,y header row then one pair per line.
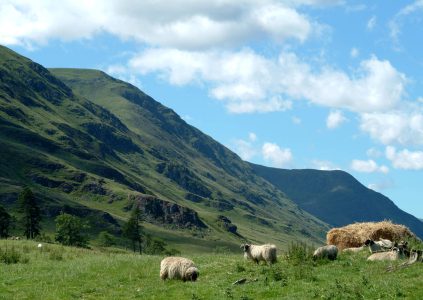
x,y
93,145
336,197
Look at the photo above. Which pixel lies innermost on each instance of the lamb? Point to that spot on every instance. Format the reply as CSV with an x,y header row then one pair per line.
x,y
394,254
353,249
257,253
178,268
329,251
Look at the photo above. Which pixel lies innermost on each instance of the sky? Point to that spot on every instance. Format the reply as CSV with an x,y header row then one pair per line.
x,y
322,84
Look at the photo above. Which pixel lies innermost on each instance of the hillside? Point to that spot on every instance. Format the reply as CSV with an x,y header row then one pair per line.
x,y
336,197
93,145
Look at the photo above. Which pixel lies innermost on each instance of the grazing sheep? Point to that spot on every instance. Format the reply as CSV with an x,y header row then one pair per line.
x,y
178,268
394,254
259,253
353,249
329,251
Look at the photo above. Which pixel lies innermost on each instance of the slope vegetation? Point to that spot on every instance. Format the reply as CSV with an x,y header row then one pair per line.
x,y
97,146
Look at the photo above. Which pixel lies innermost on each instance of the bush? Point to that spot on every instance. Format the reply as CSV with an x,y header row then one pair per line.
x,y
11,256
299,253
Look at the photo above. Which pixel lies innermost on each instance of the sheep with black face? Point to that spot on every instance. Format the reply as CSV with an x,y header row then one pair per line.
x,y
178,268
257,253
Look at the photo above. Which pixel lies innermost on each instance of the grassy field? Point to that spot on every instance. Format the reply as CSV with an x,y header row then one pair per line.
x,y
56,272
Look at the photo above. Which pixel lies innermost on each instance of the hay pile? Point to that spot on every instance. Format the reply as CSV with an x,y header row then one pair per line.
x,y
354,235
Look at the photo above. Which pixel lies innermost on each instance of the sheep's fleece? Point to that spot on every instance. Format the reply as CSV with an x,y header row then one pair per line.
x,y
259,253
178,268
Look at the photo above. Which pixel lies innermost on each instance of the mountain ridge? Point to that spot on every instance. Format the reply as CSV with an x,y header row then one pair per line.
x,y
84,139
336,197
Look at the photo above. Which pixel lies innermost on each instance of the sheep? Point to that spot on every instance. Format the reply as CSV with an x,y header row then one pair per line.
x,y
178,268
394,254
40,246
257,253
373,246
329,251
385,243
353,249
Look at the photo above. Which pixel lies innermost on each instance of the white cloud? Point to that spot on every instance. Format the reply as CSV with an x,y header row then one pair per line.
x,y
403,15
252,136
395,127
368,166
381,186
277,156
354,52
374,153
324,165
335,119
249,82
183,24
371,23
245,149
405,159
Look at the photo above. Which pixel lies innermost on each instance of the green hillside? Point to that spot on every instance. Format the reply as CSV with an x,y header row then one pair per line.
x,y
95,146
336,197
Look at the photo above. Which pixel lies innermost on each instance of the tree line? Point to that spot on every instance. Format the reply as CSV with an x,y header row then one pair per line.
x,y
71,230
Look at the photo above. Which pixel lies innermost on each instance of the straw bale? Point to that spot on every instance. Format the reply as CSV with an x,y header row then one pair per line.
x,y
354,235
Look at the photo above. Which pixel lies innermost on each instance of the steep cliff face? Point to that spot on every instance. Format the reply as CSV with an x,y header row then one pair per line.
x,y
164,212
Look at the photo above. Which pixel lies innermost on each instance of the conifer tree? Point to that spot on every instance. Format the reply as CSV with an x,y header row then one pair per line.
x,y
133,230
31,213
5,221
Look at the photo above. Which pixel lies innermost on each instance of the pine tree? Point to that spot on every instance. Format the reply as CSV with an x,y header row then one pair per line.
x,y
5,221
31,213
133,230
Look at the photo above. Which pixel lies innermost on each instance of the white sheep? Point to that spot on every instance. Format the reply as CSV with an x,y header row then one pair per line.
x,y
329,251
178,268
378,246
353,249
257,253
394,254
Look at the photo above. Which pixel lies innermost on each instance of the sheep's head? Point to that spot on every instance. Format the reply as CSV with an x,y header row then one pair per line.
x,y
192,274
369,242
245,247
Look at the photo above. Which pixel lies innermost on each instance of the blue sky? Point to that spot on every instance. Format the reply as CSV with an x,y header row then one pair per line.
x,y
324,84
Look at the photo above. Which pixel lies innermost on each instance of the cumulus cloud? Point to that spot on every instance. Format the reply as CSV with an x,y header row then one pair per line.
x,y
249,82
396,127
335,119
405,159
276,156
374,153
368,166
183,24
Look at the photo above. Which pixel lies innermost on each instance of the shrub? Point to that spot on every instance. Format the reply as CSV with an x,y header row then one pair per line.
x,y
11,256
299,253
105,239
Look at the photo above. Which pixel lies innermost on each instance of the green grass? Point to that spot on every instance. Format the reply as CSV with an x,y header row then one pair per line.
x,y
56,272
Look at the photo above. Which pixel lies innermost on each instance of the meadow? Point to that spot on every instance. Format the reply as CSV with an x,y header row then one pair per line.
x,y
58,272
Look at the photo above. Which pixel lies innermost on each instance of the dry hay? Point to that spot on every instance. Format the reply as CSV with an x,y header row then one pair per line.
x,y
354,235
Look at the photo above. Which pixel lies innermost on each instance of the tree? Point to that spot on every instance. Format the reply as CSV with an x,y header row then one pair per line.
x,y
105,239
69,231
5,220
31,213
133,230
